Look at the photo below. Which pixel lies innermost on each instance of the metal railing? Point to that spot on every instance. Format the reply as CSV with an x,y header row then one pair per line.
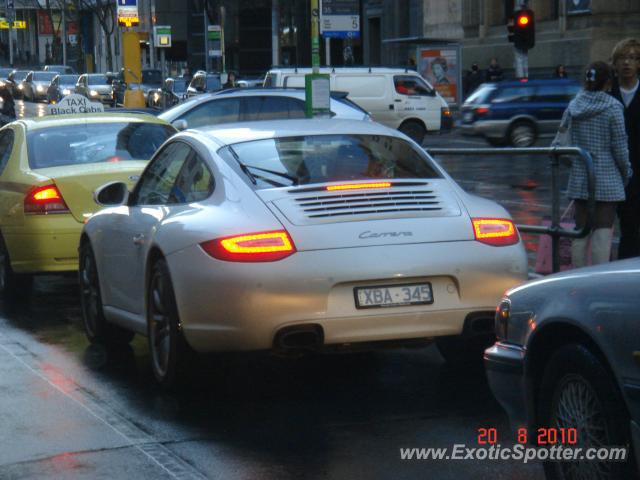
x,y
555,230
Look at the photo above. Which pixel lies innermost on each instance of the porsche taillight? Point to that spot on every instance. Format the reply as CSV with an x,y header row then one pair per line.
x,y
251,247
45,200
498,232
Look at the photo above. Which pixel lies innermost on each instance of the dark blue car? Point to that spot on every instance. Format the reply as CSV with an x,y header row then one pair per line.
x,y
516,112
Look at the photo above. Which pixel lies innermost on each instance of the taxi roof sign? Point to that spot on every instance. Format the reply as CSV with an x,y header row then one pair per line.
x,y
74,104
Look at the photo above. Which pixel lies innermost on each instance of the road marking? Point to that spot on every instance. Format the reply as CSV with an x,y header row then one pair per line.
x,y
168,461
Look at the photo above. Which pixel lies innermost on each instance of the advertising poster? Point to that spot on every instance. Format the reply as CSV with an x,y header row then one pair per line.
x,y
441,67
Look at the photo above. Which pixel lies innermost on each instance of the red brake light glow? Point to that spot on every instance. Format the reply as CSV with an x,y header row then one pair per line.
x,y
357,186
253,247
482,110
497,232
44,200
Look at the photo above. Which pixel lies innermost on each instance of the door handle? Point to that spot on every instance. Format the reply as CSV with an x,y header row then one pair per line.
x,y
138,239
398,100
391,107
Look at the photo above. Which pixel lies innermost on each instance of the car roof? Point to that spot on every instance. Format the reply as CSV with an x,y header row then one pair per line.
x,y
232,133
48,121
537,82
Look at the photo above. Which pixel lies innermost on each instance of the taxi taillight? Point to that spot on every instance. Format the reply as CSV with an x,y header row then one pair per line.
x,y
498,232
45,200
251,247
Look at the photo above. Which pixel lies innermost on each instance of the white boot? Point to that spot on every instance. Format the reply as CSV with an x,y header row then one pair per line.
x,y
579,251
600,246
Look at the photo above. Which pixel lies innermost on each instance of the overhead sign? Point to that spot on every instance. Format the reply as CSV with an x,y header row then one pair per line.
x,y
74,103
162,36
340,18
128,13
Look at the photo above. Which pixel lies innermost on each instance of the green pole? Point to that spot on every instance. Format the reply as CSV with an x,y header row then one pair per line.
x,y
315,36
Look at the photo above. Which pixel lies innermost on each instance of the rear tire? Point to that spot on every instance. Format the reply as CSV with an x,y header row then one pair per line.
x,y
414,130
13,286
578,392
170,354
96,327
522,134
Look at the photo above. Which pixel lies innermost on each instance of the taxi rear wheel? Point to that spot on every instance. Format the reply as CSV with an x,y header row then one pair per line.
x,y
170,354
96,327
14,286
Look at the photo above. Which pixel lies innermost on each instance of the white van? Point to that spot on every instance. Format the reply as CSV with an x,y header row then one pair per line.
x,y
396,97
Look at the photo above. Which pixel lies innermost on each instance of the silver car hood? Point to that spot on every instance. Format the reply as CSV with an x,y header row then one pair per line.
x,y
414,212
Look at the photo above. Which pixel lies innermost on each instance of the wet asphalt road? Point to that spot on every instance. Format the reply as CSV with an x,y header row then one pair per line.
x,y
71,410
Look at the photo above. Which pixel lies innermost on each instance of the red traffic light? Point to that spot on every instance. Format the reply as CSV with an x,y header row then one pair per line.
x,y
523,20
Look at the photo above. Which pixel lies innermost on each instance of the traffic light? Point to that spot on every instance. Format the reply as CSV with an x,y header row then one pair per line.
x,y
524,29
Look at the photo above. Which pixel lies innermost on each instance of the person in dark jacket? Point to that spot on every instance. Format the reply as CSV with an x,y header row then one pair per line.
x,y
231,81
596,123
8,111
560,72
626,61
494,71
473,80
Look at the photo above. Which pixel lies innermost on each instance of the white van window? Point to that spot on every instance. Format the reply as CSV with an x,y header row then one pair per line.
x,y
293,81
364,85
411,85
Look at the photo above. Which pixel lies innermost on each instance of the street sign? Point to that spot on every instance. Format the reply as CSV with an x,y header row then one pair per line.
x,y
128,13
214,40
17,24
74,103
340,18
162,36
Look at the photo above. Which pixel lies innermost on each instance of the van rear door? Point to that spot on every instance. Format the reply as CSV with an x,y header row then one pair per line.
x,y
415,99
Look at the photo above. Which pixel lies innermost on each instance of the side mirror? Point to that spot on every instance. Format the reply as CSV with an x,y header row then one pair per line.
x,y
180,124
111,194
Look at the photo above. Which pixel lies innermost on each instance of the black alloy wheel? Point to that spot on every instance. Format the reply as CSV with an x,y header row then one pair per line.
x,y
169,351
96,327
578,392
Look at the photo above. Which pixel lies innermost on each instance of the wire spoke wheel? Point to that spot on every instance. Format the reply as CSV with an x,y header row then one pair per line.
x,y
90,291
576,405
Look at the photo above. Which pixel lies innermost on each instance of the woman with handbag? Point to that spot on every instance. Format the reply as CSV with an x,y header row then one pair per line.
x,y
595,122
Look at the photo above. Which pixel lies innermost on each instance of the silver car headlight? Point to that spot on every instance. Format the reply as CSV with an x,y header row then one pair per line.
x,y
66,91
503,314
40,88
93,93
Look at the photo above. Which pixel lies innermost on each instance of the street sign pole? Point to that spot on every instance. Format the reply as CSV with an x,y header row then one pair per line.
x,y
10,9
64,35
315,36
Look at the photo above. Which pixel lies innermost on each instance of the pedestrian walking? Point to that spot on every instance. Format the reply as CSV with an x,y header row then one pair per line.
x,y
626,62
560,72
595,121
473,80
8,110
494,71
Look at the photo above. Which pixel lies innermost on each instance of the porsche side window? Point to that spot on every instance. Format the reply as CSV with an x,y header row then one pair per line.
x,y
157,181
194,184
6,146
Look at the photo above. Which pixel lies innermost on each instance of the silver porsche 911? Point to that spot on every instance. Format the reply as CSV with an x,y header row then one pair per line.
x,y
290,235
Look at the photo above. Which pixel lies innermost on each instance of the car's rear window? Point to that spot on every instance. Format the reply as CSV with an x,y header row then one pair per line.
x,y
98,80
95,143
480,95
328,158
44,76
68,79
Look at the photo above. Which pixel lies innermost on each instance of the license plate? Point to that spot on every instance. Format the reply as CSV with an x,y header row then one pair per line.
x,y
393,295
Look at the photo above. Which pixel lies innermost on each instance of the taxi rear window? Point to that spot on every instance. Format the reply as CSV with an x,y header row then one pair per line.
x,y
95,143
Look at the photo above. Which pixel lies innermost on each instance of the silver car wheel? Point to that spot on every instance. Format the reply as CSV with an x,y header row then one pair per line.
x,y
160,325
576,405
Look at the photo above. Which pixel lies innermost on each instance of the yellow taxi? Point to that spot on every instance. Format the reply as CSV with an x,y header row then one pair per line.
x,y
49,169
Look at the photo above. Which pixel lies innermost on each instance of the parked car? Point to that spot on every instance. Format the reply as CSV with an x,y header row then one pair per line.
x,y
96,87
396,97
515,112
568,357
15,79
292,235
64,69
49,168
61,86
242,104
36,84
203,82
4,73
172,92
